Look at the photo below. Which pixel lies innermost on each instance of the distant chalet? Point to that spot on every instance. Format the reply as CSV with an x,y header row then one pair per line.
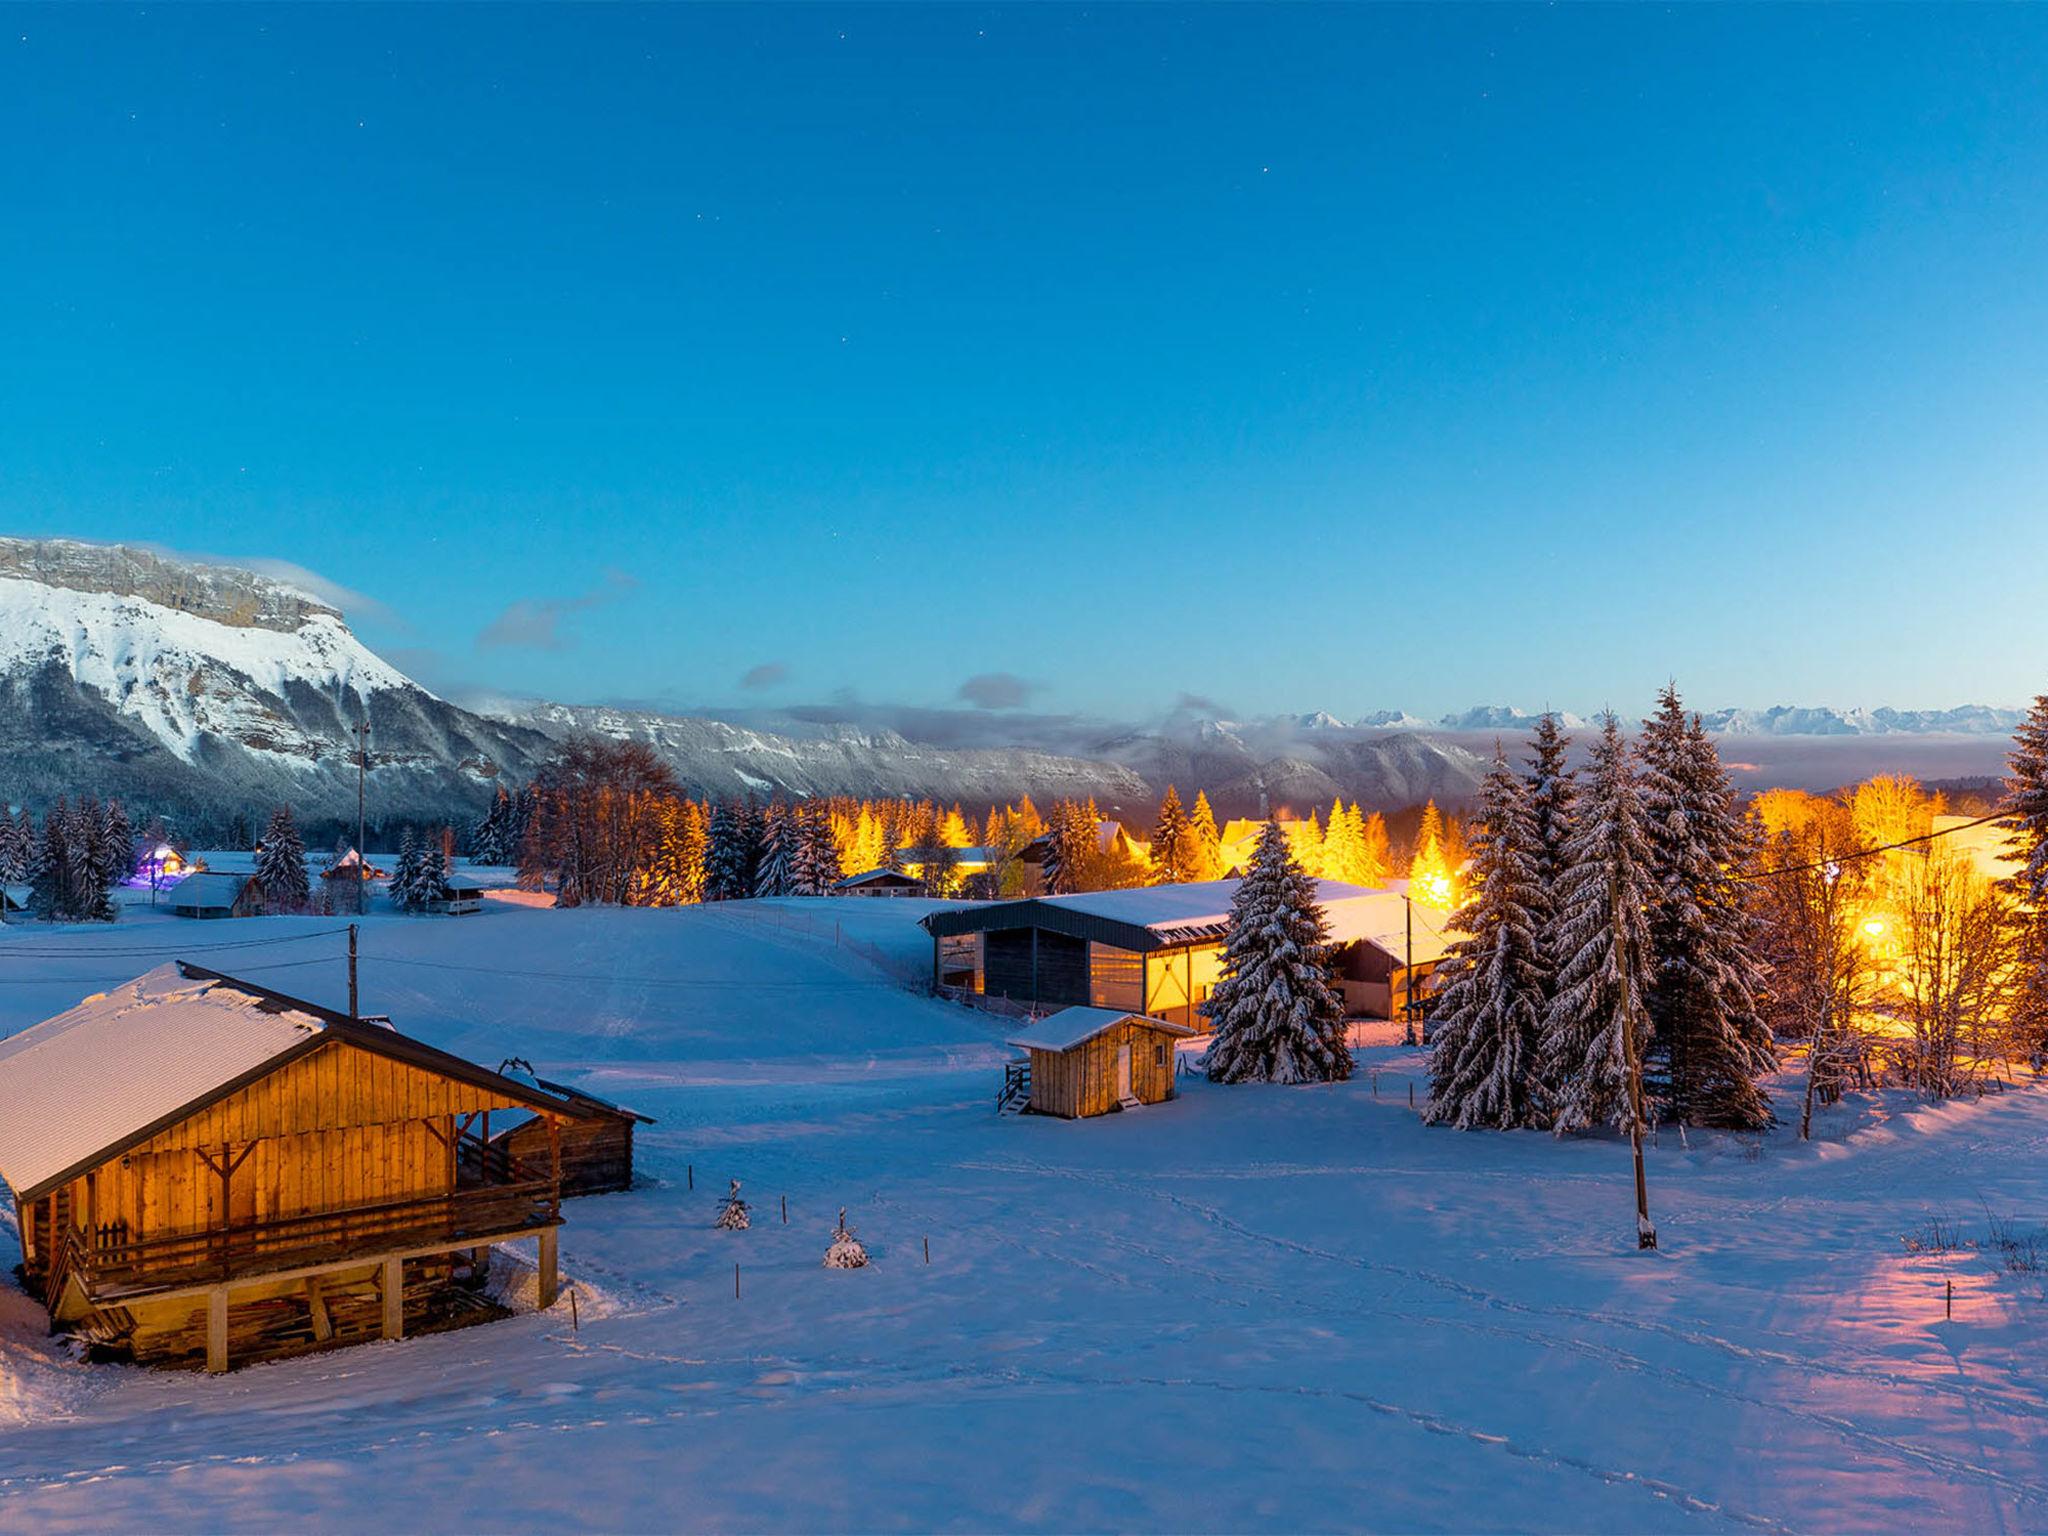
x,y
1158,950
207,1169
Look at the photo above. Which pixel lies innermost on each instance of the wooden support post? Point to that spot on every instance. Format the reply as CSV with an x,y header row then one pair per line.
x,y
392,1289
217,1330
316,1303
550,1275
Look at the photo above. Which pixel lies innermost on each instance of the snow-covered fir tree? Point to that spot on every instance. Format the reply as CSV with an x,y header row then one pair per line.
x,y
1173,850
405,875
1489,1012
1206,843
1277,1017
846,1251
1706,1034
17,848
726,876
1553,790
2026,810
281,866
775,874
56,883
495,839
816,868
734,1215
430,873
1603,897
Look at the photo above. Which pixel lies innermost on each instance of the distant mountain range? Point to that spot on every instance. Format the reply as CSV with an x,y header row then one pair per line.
x,y
203,691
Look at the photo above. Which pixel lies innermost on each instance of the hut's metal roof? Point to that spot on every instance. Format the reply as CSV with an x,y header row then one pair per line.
x,y
1069,1027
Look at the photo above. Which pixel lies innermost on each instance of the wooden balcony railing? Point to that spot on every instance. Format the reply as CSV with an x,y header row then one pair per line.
x,y
114,1267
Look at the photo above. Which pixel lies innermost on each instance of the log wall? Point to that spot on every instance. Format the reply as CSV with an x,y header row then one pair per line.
x,y
1081,1082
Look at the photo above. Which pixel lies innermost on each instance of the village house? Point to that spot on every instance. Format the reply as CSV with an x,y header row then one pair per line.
x,y
217,894
205,1170
879,882
1158,950
1093,1061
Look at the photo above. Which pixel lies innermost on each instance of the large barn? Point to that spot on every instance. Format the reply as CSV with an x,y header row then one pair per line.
x,y
1158,950
206,1169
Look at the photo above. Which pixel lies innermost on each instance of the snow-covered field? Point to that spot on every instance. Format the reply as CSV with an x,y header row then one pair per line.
x,y
1249,1309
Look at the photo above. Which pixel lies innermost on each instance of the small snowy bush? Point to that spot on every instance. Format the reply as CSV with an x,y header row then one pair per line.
x,y
733,1215
846,1251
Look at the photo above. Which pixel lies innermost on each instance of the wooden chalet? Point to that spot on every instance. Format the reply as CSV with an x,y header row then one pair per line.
x,y
596,1148
879,882
217,895
207,1171
1158,950
16,903
1093,1061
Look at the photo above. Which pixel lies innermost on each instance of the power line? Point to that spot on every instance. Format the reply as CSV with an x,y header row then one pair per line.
x,y
586,977
1870,853
28,948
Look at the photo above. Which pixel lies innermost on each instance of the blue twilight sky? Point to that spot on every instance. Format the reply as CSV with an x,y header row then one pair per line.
x,y
1297,358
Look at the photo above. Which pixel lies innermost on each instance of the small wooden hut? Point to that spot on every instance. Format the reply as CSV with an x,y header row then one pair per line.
x,y
596,1148
459,895
1090,1061
205,1169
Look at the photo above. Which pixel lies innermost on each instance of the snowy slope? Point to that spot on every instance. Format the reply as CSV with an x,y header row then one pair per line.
x,y
1249,1309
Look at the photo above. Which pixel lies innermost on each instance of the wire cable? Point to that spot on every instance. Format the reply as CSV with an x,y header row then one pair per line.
x,y
1871,853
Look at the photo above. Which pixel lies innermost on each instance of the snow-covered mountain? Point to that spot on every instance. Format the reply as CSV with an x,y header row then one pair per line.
x,y
200,691
207,692
714,757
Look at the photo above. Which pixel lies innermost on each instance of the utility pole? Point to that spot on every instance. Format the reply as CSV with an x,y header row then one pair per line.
x,y
352,1013
362,859
1408,970
1646,1234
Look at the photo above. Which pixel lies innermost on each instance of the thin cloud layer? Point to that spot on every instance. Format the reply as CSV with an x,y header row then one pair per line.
x,y
536,624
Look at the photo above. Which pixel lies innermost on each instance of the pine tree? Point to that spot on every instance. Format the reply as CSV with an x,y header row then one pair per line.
x,y
1603,898
17,849
281,867
776,872
1205,847
493,840
1376,862
405,876
1705,1030
1173,853
53,882
1430,876
734,1215
2026,809
117,854
1276,1015
725,855
814,869
846,1251
429,876
1489,1013
1553,793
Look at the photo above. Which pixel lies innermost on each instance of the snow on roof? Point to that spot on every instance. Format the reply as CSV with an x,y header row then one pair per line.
x,y
215,889
879,872
18,895
1069,1027
122,1060
1198,910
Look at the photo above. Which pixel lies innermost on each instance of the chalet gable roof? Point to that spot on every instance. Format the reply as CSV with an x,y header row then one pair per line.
x,y
127,1063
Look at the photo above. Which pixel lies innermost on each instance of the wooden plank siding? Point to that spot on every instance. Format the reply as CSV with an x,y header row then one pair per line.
x,y
338,1127
1078,1083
